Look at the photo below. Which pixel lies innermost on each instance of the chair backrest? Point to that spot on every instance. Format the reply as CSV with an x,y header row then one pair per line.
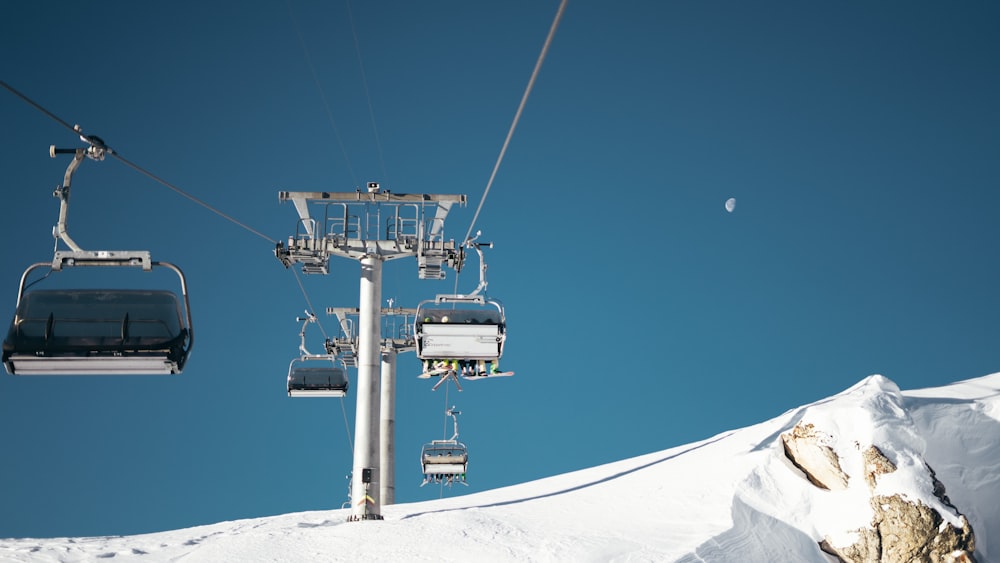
x,y
88,314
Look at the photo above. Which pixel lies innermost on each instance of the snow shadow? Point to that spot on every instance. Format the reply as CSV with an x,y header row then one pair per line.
x,y
583,485
962,449
323,524
757,538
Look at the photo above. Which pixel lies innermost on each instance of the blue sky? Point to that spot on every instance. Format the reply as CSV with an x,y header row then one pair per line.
x,y
860,141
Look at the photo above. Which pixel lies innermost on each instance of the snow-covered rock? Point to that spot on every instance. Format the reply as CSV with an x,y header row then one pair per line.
x,y
807,448
912,518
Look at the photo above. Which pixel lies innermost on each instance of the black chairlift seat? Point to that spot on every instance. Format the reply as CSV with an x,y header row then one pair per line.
x,y
462,334
97,331
313,381
446,458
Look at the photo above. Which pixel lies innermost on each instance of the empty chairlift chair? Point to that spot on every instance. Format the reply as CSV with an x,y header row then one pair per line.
x,y
98,331
316,376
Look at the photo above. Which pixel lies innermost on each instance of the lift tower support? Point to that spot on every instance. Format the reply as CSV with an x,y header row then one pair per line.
x,y
397,336
371,227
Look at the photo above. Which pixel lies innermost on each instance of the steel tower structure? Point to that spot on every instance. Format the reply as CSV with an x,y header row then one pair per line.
x,y
372,227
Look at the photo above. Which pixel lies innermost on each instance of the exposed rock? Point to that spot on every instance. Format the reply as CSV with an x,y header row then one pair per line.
x,y
876,464
901,530
913,531
867,549
805,447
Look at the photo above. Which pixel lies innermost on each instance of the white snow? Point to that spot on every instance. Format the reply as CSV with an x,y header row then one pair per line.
x,y
731,497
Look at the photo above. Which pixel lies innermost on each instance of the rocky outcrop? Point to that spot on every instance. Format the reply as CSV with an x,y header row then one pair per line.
x,y
902,529
875,464
807,449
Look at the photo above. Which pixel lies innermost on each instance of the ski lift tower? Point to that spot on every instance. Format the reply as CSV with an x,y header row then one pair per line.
x,y
372,227
397,336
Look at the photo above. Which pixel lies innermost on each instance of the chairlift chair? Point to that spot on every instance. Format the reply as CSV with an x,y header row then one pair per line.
x,y
445,461
476,333
96,331
99,331
473,328
316,376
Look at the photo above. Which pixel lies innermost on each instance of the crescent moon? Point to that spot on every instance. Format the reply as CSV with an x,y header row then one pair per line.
x,y
731,204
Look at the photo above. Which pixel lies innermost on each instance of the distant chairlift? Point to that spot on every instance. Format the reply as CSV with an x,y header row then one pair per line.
x,y
315,375
445,461
470,333
97,331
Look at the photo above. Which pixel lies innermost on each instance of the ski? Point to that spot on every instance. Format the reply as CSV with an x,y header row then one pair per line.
x,y
483,375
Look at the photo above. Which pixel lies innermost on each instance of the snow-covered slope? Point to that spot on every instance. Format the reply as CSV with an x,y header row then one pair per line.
x,y
731,497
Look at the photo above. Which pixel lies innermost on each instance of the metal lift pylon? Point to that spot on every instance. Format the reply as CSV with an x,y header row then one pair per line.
x,y
397,336
413,226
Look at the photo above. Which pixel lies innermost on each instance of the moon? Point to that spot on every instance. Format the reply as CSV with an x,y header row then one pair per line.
x,y
730,204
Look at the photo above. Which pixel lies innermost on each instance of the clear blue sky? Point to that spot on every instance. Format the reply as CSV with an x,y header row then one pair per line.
x,y
860,141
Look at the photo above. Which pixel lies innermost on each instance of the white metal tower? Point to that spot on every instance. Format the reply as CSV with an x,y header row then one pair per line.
x,y
372,227
397,336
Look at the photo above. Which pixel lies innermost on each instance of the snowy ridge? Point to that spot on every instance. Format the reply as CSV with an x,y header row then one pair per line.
x,y
735,494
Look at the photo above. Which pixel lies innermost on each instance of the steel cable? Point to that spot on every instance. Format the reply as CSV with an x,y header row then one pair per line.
x,y
76,130
517,115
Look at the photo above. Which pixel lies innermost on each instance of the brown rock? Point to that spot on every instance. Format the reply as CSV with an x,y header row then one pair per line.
x,y
804,447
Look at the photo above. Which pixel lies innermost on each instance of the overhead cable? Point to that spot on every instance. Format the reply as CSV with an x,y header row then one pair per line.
x,y
179,191
364,81
37,106
312,310
517,115
95,142
347,426
322,92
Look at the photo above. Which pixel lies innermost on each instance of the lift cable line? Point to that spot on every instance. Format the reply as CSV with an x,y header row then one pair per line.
x,y
37,106
364,81
517,115
347,426
322,92
312,310
181,192
444,430
99,144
